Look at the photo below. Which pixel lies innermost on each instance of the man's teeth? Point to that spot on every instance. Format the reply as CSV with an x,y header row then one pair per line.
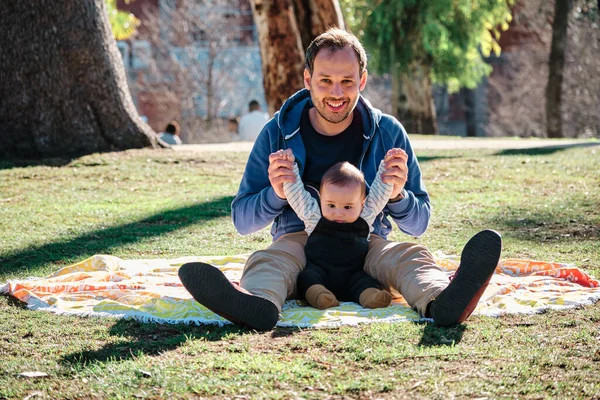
x,y
335,105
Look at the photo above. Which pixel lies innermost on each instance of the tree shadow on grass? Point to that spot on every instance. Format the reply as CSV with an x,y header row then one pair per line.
x,y
101,241
9,163
435,336
424,159
152,339
544,150
138,338
554,225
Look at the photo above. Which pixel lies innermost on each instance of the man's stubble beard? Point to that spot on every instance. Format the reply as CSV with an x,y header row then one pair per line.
x,y
320,104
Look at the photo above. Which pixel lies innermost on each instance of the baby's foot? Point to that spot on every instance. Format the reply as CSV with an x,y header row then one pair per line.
x,y
320,297
375,298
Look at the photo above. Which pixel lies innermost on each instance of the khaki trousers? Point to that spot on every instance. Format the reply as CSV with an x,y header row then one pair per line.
x,y
405,268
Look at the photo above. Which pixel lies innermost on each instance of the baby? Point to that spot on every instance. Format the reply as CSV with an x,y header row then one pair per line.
x,y
338,235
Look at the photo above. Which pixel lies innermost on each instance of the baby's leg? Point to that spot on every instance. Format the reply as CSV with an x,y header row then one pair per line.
x,y
366,291
320,297
311,284
375,298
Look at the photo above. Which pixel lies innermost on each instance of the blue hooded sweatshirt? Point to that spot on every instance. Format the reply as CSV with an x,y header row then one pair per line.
x,y
256,205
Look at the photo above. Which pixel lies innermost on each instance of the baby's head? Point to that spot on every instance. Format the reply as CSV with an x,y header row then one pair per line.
x,y
343,192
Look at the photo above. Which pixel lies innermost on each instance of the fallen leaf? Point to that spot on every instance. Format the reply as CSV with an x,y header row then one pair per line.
x,y
33,394
416,385
145,374
33,374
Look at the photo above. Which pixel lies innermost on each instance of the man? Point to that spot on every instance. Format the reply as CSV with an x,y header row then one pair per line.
x,y
324,123
253,122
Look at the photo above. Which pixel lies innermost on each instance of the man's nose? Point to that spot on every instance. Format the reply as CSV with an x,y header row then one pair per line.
x,y
336,90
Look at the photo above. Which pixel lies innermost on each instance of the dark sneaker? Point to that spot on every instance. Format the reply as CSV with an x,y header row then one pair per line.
x,y
478,261
209,287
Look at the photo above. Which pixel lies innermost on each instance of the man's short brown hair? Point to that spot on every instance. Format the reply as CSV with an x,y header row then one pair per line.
x,y
344,174
335,39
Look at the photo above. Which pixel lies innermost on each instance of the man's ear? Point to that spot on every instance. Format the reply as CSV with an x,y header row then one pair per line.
x,y
306,79
363,80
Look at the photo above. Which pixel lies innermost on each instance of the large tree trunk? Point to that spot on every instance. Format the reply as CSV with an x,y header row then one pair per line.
x,y
285,29
413,101
63,89
556,66
280,49
314,17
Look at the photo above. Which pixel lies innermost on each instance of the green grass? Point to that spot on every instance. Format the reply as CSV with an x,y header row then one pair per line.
x,y
164,204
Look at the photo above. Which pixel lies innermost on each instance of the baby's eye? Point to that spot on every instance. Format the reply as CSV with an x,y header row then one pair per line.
x,y
330,206
347,207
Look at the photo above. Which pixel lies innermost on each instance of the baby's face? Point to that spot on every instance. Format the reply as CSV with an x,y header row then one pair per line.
x,y
341,203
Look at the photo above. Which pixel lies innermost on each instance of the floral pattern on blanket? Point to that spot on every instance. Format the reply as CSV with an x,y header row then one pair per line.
x,y
150,291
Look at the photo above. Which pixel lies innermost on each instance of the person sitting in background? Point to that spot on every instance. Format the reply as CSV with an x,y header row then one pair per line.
x,y
252,123
171,134
232,127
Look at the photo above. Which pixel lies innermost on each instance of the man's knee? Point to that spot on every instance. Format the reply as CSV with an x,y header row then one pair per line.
x,y
279,259
384,250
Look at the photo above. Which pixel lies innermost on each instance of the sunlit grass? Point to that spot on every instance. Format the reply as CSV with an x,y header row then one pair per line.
x,y
164,204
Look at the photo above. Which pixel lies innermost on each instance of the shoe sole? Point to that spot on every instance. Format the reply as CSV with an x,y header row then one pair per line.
x,y
211,288
478,262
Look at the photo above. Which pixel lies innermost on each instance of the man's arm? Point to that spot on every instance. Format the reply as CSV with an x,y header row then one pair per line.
x,y
257,203
411,208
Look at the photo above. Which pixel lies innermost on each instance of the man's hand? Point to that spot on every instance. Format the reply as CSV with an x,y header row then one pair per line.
x,y
281,165
396,170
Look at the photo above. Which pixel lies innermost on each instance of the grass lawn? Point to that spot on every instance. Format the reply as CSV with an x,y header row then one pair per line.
x,y
165,204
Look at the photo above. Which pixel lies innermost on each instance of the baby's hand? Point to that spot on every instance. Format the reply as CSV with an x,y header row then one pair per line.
x,y
286,154
281,170
396,170
392,153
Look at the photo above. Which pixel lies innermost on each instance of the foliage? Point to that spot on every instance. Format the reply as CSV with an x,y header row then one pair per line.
x,y
123,24
165,204
451,37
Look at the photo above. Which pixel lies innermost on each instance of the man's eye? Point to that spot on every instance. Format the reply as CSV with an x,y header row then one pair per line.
x,y
325,80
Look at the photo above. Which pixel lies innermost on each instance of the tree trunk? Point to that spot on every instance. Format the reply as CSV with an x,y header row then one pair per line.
x,y
210,95
556,66
280,49
468,98
63,85
413,101
285,29
314,17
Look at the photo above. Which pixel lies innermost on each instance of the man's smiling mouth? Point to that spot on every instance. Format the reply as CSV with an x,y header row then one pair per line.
x,y
335,104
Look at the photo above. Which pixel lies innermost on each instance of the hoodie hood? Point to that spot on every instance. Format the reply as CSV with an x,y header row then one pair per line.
x,y
288,117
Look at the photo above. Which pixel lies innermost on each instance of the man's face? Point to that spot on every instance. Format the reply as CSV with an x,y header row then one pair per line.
x,y
341,204
334,87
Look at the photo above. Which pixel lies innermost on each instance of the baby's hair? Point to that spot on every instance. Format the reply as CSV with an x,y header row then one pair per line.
x,y
344,174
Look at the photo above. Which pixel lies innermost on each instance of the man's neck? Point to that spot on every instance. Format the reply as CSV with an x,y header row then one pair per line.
x,y
325,127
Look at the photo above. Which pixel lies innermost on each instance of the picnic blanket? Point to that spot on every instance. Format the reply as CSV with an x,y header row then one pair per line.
x,y
150,291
